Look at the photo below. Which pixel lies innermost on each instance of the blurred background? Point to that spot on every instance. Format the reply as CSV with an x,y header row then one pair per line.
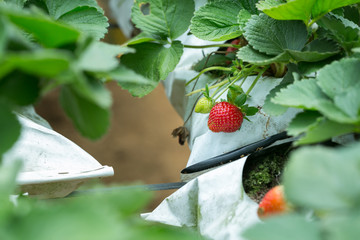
x,y
138,145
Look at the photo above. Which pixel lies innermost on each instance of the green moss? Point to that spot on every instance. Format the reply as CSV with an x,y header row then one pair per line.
x,y
263,171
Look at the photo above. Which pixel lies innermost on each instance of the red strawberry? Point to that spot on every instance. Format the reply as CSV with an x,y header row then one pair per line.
x,y
225,117
233,49
273,203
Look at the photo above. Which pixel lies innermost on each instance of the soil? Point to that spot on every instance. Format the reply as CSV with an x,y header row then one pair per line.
x,y
138,145
263,170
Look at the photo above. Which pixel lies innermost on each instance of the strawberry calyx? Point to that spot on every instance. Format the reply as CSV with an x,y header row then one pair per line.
x,y
238,97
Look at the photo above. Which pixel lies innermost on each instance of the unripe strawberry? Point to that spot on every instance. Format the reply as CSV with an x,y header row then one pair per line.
x,y
225,117
204,105
273,203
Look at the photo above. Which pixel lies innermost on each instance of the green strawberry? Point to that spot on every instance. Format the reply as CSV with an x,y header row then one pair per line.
x,y
204,105
225,117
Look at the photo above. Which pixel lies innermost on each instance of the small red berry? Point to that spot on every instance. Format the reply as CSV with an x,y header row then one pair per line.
x,y
273,203
225,117
233,49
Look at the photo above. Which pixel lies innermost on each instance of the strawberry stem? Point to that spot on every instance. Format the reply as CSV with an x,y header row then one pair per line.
x,y
211,87
218,89
231,83
207,70
213,45
256,80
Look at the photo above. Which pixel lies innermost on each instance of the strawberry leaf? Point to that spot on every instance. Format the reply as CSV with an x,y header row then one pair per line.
x,y
307,94
46,63
236,89
249,111
302,122
306,68
243,18
19,88
322,7
141,38
19,3
101,56
351,12
324,129
343,226
129,80
91,119
340,82
3,37
240,100
281,227
342,30
250,55
316,128
250,6
44,29
273,37
9,127
292,10
271,108
329,181
233,93
58,8
86,16
162,17
207,91
300,9
302,94
315,51
276,109
88,20
218,20
153,61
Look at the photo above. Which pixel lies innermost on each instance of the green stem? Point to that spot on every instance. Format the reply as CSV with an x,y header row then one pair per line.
x,y
209,69
231,83
217,90
314,20
256,80
242,82
203,89
213,45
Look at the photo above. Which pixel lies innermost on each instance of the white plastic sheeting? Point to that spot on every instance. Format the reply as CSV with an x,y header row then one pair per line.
x,y
53,166
214,203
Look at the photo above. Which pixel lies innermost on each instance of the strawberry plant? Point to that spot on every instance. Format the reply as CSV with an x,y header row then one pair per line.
x,y
313,47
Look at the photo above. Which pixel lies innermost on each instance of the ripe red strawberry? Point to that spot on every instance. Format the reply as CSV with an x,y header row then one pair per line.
x,y
225,117
233,49
273,203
